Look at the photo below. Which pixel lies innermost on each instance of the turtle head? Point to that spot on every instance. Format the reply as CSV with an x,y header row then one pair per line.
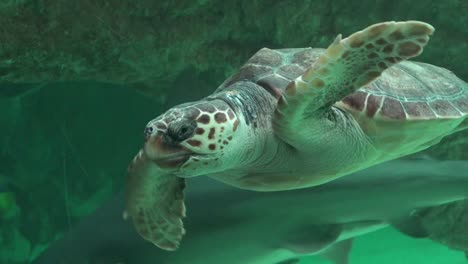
x,y
193,138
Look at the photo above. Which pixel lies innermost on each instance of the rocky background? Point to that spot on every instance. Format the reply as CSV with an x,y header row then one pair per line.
x,y
79,80
155,44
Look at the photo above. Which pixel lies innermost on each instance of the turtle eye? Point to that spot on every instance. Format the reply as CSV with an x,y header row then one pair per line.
x,y
186,131
179,132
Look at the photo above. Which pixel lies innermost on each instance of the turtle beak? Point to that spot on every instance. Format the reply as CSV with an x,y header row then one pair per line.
x,y
165,154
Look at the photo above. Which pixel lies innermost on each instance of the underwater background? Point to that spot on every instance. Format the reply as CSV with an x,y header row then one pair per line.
x,y
80,79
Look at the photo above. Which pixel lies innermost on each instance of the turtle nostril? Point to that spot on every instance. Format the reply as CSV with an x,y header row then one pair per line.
x,y
148,131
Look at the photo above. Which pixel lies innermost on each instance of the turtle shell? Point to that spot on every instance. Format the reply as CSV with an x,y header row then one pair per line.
x,y
412,91
407,90
274,69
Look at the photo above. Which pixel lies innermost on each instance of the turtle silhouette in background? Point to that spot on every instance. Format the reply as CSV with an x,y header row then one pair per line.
x,y
295,118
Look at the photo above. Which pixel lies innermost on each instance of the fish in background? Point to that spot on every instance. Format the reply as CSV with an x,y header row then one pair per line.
x,y
234,226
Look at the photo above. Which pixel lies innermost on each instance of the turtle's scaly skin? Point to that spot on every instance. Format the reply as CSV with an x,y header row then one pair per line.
x,y
295,118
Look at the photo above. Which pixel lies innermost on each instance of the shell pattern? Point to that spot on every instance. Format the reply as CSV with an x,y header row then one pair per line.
x,y
405,91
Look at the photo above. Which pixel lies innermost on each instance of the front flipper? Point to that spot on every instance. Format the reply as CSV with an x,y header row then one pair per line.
x,y
155,202
346,66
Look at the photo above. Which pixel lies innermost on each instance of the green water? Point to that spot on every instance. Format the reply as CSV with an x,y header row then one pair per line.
x,y
75,95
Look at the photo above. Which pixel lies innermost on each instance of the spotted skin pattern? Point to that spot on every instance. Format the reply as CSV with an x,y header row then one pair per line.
x,y
215,130
156,205
215,126
211,130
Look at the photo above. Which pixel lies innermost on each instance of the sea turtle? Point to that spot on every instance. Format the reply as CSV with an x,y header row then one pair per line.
x,y
294,118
